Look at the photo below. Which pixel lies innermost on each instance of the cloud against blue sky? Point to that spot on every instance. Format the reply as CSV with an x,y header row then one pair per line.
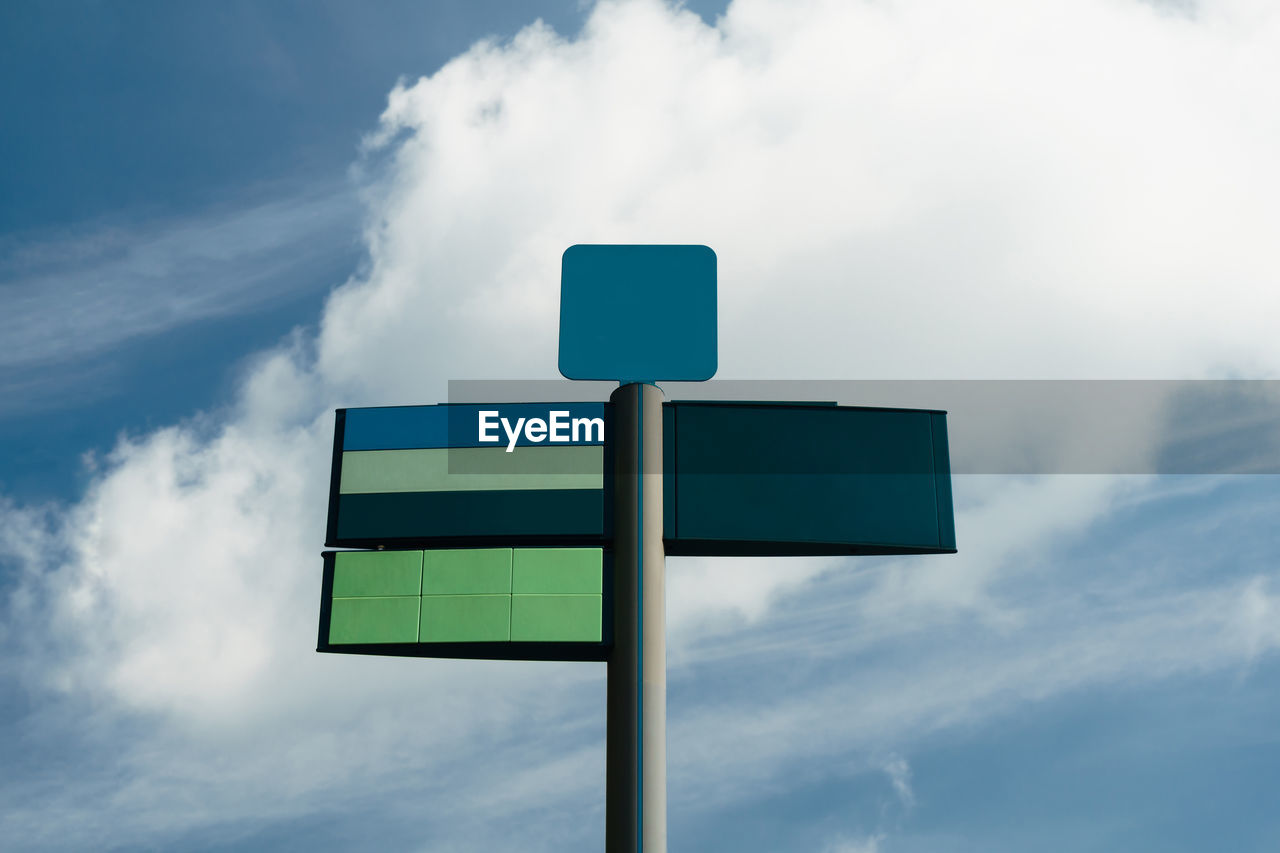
x,y
907,190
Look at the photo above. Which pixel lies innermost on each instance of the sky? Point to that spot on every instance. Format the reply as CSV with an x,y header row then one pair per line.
x,y
222,221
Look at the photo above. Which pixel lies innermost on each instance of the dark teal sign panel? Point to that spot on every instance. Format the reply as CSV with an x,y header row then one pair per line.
x,y
641,313
778,479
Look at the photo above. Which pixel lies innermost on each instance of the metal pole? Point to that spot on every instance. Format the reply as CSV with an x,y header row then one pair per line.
x,y
636,716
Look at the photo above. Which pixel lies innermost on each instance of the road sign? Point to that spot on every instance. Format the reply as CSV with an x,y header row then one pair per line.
x,y
516,477
406,476
538,531
783,478
638,313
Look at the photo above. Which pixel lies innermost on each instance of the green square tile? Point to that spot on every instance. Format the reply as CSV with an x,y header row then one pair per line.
x,y
555,618
374,620
380,573
465,619
557,571
467,571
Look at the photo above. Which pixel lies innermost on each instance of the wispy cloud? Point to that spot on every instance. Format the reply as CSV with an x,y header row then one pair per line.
x,y
899,773
65,298
844,844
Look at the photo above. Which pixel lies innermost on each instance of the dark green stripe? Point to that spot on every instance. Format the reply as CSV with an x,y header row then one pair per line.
x,y
565,514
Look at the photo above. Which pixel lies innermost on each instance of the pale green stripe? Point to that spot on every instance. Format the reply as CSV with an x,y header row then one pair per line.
x,y
468,469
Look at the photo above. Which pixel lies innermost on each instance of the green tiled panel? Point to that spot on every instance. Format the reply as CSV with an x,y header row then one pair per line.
x,y
374,620
465,619
466,469
467,571
555,618
365,573
552,571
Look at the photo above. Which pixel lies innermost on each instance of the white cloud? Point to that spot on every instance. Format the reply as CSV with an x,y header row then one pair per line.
x,y
1061,189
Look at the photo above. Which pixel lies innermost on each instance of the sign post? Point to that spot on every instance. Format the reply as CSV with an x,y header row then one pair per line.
x,y
637,315
636,715
539,531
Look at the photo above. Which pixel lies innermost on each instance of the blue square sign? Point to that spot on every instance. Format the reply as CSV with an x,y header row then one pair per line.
x,y
638,313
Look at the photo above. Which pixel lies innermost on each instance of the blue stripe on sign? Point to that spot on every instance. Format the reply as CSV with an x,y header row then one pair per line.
x,y
458,425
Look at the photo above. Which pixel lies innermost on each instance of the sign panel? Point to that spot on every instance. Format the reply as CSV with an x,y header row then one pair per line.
x,y
492,517
508,474
500,603
779,479
638,313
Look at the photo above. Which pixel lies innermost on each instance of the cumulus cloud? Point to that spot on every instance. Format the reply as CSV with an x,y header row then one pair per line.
x,y
902,190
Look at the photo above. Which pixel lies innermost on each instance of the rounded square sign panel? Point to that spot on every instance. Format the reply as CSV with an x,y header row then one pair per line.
x,y
638,313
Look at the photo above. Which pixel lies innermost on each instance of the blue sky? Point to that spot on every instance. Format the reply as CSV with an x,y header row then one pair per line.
x,y
155,135
224,220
